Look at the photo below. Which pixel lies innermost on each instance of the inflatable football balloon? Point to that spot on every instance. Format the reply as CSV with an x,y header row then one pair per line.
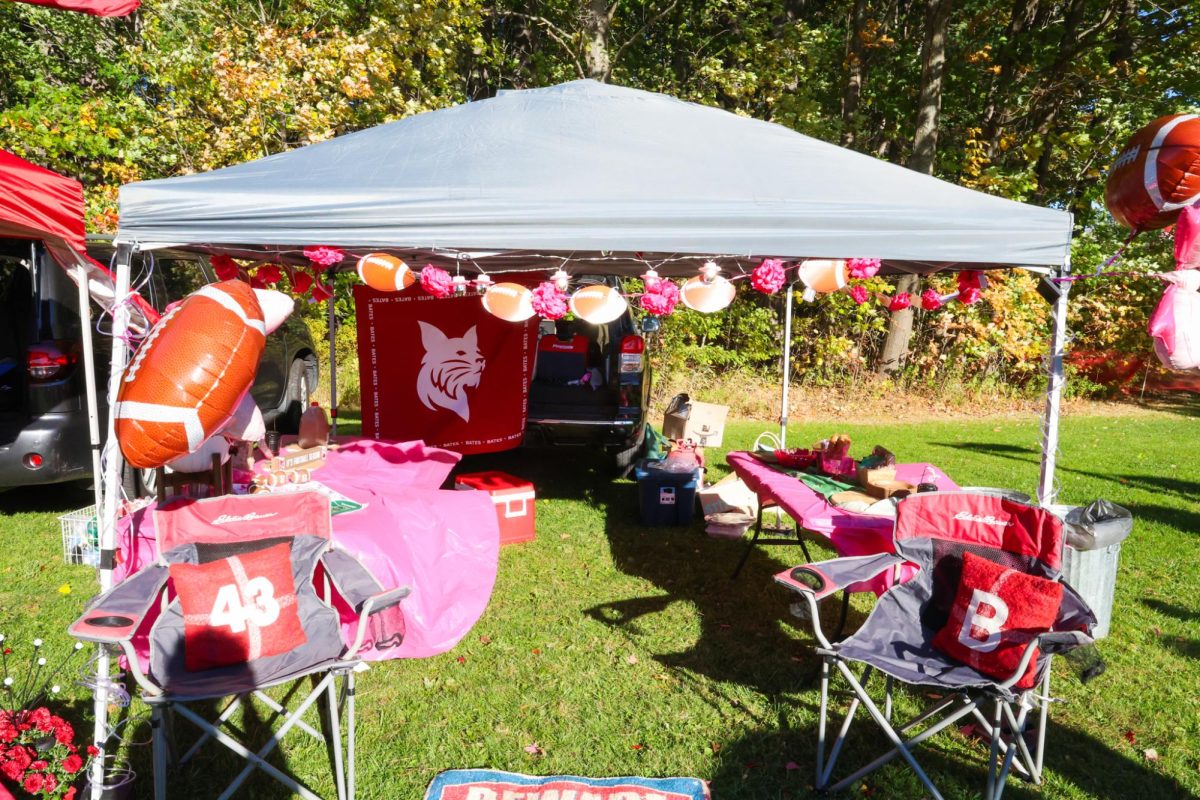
x,y
598,304
1156,174
822,276
247,422
385,273
276,307
189,374
509,301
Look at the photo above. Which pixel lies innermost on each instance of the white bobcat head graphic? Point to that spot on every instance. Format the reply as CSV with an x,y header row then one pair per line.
x,y
448,368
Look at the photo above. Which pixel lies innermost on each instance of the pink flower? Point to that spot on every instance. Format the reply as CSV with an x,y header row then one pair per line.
x,y
768,277
72,764
660,298
859,293
225,267
863,267
969,295
931,300
34,782
968,279
900,302
324,256
269,274
436,281
549,302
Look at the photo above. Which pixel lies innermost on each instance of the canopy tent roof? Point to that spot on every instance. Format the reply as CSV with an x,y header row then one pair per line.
x,y
600,174
36,203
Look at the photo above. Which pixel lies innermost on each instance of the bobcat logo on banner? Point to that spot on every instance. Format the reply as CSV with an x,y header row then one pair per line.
x,y
448,368
442,370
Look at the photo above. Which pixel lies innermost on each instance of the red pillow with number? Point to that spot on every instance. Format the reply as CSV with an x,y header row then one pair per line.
x,y
996,612
239,608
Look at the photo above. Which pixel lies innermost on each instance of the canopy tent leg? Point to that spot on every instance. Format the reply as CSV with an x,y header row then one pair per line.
x,y
89,377
787,365
1056,379
333,396
111,500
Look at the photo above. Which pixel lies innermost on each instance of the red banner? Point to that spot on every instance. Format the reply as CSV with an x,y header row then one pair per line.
x,y
442,370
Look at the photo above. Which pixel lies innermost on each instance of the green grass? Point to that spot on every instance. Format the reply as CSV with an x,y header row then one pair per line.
x,y
619,649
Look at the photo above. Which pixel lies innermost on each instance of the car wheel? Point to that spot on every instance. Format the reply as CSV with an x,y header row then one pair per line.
x,y
138,482
298,393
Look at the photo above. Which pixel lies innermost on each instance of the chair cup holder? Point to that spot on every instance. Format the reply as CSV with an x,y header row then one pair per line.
x,y
109,621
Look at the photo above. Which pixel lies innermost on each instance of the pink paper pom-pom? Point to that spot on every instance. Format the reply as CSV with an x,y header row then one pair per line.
x,y
324,256
900,302
931,300
863,267
969,296
549,302
768,277
436,281
268,274
859,293
660,298
225,267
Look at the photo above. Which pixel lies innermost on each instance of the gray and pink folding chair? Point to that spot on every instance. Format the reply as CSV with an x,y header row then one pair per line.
x,y
977,623
248,593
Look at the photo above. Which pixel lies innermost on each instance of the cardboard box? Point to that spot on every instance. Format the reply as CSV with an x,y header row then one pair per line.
x,y
514,500
702,423
728,494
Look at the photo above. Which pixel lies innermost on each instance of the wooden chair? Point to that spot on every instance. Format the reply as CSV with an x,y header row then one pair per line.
x,y
217,481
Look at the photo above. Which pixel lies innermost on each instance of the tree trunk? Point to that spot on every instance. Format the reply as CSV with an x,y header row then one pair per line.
x,y
854,73
929,107
597,23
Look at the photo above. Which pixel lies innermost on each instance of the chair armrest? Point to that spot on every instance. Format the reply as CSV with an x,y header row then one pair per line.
x,y
384,600
824,578
115,615
1050,643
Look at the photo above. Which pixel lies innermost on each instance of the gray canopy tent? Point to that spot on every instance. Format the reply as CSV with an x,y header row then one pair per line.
x,y
592,178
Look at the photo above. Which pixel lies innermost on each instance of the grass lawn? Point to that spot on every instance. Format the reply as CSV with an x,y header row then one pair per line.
x,y
618,649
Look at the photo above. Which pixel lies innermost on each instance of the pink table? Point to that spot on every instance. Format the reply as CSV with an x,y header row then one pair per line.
x,y
442,543
850,533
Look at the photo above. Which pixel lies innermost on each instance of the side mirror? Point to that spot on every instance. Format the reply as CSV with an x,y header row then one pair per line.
x,y
651,324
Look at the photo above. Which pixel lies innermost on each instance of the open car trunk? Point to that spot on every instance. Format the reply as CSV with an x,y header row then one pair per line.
x,y
575,376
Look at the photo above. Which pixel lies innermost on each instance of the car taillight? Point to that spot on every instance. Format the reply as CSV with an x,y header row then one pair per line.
x,y
46,361
633,349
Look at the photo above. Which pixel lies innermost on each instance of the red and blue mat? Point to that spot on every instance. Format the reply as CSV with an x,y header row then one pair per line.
x,y
487,784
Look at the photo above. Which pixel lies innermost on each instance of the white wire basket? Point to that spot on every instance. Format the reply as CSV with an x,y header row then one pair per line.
x,y
81,537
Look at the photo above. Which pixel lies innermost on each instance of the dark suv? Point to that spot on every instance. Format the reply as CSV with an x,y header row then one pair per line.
x,y
43,410
591,384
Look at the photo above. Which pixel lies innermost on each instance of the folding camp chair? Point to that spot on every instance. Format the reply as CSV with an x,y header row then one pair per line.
x,y
939,532
244,596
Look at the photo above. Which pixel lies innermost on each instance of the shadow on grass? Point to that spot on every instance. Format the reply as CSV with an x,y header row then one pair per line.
x,y
1176,518
56,498
1172,610
757,766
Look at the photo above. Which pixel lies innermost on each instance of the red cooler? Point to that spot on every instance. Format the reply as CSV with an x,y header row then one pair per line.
x,y
514,499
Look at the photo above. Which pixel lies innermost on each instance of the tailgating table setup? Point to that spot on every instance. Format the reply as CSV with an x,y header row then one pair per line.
x,y
851,533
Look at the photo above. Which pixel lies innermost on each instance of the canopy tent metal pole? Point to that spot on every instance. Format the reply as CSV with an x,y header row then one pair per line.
x,y
89,377
1056,379
787,365
333,397
112,498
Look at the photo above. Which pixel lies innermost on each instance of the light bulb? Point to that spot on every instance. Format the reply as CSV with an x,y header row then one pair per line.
x,y
459,284
650,278
561,280
709,271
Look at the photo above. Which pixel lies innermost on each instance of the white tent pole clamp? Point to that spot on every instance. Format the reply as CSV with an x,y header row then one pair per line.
x,y
787,366
112,499
1056,380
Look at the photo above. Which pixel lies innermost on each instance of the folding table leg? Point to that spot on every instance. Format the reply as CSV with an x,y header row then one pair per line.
x,y
749,545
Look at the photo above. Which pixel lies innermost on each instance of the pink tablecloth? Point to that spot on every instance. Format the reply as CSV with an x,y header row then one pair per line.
x,y
443,544
850,533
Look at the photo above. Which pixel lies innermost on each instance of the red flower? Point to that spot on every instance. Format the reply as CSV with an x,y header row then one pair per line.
x,y
863,267
324,256
34,782
225,267
92,750
51,783
900,302
12,770
968,279
269,274
257,283
39,765
931,300
72,764
64,733
968,296
70,794
768,277
859,293
41,718
301,281
322,292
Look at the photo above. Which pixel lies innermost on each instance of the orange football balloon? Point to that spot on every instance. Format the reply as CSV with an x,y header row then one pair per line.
x,y
823,275
509,301
385,272
598,304
1157,174
707,296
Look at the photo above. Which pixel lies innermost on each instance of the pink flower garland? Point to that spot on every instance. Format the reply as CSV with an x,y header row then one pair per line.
x,y
863,267
549,302
768,277
859,293
324,256
225,267
931,300
436,281
900,302
660,298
